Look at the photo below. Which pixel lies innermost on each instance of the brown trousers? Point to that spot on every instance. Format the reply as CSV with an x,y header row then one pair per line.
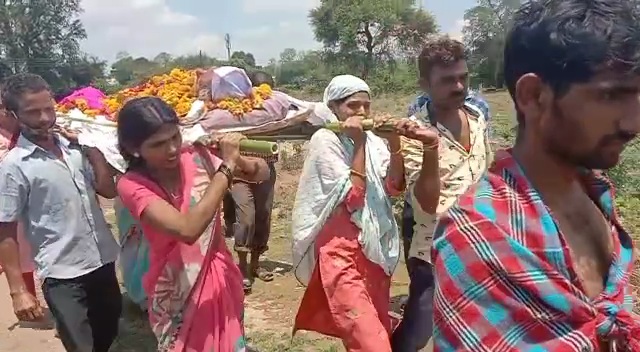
x,y
247,213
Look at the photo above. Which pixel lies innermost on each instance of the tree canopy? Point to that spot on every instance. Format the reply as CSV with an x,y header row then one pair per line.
x,y
486,26
42,36
364,34
378,40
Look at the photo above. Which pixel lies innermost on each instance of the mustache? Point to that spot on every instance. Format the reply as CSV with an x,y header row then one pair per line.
x,y
458,94
622,136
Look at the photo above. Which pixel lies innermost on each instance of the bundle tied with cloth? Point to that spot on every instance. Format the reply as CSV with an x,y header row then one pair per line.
x,y
320,192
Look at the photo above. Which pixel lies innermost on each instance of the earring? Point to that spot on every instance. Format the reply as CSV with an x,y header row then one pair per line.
x,y
136,155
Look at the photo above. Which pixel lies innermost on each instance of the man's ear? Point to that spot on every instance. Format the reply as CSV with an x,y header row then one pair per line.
x,y
531,95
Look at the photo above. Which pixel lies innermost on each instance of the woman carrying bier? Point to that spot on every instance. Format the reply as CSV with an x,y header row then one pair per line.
x,y
194,288
346,243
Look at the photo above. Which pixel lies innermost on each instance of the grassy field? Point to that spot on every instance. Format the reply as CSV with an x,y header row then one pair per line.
x,y
271,308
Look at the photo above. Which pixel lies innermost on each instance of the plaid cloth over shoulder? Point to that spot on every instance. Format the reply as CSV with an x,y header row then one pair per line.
x,y
503,275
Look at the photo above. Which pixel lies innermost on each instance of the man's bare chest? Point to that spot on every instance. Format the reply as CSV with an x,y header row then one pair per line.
x,y
589,238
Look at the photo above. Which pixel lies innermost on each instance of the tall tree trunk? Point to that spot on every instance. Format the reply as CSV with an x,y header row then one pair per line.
x,y
369,57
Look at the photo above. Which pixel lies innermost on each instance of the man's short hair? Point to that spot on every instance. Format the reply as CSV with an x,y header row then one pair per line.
x,y
440,51
569,41
17,85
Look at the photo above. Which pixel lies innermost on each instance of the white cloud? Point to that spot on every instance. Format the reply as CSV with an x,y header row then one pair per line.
x,y
267,42
144,28
281,6
149,27
456,31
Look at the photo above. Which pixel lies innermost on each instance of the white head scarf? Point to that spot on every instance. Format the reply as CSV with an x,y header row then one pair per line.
x,y
344,86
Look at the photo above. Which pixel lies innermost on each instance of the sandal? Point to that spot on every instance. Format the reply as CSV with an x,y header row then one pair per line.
x,y
263,274
247,286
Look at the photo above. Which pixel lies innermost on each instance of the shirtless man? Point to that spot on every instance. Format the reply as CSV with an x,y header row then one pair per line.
x,y
533,256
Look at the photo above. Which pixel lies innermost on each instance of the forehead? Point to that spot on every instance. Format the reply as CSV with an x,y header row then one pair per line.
x,y
359,97
457,68
167,131
35,99
610,80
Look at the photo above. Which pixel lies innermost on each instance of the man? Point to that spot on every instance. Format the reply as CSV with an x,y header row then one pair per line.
x,y
247,213
49,183
437,174
533,257
9,132
415,113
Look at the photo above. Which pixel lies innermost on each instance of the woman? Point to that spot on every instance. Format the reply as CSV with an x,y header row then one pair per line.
x,y
193,286
346,243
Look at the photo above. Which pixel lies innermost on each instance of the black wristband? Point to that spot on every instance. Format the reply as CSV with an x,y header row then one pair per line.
x,y
225,170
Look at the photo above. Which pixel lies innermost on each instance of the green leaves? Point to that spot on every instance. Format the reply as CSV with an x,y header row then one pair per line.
x,y
371,33
41,36
485,29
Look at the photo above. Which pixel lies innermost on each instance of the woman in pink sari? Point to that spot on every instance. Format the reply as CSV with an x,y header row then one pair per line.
x,y
193,286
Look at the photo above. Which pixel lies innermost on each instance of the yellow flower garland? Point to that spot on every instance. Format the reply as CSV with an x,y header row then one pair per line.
x,y
241,106
175,88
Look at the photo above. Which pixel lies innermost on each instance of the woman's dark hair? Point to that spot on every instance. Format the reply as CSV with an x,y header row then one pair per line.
x,y
138,120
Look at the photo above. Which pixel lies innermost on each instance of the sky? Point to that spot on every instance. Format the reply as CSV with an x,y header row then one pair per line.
x,y
179,27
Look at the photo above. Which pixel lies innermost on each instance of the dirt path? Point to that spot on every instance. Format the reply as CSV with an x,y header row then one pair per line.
x,y
23,337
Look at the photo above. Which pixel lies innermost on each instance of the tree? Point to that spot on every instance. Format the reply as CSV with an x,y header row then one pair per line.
x,y
368,33
41,36
201,60
485,30
163,59
242,59
128,70
288,55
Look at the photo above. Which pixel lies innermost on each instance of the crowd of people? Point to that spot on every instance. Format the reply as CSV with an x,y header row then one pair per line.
x,y
517,250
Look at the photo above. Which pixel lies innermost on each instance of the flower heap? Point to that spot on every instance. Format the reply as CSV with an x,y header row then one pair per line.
x,y
177,89
82,105
241,106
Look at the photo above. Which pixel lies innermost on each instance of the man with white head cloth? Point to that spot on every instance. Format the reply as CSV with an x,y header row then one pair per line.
x,y
346,241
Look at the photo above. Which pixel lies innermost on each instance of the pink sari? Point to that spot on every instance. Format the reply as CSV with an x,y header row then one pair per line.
x,y
194,291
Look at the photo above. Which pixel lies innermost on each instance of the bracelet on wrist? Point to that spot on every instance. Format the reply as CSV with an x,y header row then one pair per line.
x,y
431,147
359,174
396,152
226,171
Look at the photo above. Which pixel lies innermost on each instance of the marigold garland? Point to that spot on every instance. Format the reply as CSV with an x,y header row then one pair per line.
x,y
175,88
241,106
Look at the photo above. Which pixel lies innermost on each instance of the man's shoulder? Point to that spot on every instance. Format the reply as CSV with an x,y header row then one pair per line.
x,y
478,102
12,160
